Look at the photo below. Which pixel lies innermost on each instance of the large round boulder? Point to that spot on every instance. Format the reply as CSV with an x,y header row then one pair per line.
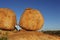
x,y
31,19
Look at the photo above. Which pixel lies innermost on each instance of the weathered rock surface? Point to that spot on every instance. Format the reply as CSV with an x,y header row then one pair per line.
x,y
7,19
31,35
31,19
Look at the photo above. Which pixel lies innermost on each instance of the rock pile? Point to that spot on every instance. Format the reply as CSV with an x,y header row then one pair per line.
x,y
31,20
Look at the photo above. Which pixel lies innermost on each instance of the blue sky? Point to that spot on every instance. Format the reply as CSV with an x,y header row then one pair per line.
x,y
50,9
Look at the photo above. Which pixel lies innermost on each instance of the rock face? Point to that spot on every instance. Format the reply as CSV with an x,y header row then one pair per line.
x,y
7,19
31,19
31,35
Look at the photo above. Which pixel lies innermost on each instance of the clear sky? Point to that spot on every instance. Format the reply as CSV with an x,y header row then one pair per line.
x,y
50,9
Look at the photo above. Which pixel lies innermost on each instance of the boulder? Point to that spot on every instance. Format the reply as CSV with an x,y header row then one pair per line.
x,y
7,19
31,19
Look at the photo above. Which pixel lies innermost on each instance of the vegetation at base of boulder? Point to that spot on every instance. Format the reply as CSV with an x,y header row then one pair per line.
x,y
3,36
